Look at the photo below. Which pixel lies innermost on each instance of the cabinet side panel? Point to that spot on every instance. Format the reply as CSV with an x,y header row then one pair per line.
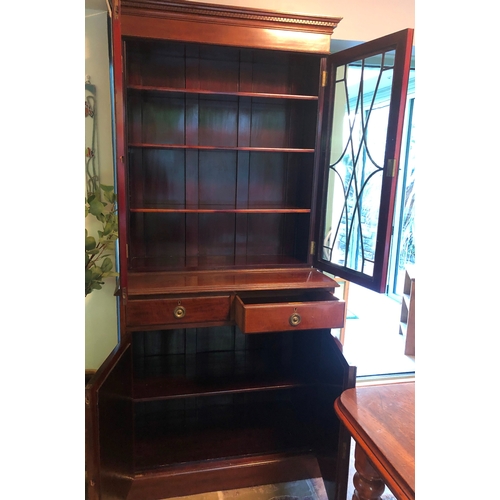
x,y
335,468
109,427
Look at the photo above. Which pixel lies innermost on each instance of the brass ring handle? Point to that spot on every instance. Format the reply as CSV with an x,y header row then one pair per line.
x,y
294,319
179,312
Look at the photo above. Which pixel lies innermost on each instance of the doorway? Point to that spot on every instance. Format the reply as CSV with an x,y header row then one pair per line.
x,y
372,339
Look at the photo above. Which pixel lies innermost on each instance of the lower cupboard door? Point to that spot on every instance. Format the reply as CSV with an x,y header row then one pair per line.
x,y
109,427
335,470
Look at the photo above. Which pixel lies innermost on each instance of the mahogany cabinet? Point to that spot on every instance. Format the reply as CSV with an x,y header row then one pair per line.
x,y
226,370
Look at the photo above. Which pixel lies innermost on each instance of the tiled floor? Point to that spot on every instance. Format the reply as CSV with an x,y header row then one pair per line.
x,y
309,489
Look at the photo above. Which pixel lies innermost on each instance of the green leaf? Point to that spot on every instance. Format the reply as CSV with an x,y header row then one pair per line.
x,y
90,242
88,276
111,197
105,212
106,265
96,208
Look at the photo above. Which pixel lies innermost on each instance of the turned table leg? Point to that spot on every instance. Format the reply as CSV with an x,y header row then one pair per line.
x,y
367,482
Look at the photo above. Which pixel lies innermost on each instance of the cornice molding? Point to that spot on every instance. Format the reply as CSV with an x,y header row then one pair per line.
x,y
238,15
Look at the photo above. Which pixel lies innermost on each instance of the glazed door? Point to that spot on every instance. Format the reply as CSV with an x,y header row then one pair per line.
x,y
365,98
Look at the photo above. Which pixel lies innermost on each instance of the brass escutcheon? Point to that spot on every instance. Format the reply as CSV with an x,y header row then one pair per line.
x,y
179,312
294,319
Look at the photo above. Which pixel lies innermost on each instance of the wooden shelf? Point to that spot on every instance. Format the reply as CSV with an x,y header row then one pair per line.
x,y
223,210
263,95
220,148
160,388
226,280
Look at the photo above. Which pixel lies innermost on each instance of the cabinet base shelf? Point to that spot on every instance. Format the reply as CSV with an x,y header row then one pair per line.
x,y
184,480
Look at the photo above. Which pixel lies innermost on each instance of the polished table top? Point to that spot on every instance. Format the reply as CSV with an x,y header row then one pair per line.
x,y
381,419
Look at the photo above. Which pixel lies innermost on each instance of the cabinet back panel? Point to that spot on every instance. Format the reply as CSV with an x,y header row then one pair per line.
x,y
216,68
276,234
231,426
157,235
216,235
217,122
157,178
217,179
219,72
156,64
308,355
293,411
157,120
162,178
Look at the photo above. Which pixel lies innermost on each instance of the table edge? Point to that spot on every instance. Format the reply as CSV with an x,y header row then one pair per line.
x,y
394,481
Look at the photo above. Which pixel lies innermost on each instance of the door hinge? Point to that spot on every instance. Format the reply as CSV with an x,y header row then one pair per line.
x,y
124,296
126,250
312,249
324,78
392,166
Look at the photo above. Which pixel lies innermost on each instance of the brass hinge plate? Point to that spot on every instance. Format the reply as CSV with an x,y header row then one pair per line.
x,y
312,249
391,169
324,78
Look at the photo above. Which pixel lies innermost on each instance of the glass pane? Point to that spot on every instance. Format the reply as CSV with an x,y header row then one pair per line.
x,y
406,243
356,166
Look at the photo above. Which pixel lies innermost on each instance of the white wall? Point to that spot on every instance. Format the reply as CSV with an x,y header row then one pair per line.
x,y
101,331
362,20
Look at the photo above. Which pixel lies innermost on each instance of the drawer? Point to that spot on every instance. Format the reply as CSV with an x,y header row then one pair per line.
x,y
306,311
179,311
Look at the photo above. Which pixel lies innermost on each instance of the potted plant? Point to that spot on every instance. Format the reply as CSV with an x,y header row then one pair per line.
x,y
100,249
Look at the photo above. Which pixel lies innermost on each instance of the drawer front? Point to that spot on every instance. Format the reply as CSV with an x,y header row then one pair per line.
x,y
172,312
322,310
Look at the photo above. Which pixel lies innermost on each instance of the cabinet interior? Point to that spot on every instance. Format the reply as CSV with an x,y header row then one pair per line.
x,y
221,144
215,393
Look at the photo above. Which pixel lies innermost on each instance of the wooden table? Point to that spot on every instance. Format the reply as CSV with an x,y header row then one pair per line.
x,y
381,419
